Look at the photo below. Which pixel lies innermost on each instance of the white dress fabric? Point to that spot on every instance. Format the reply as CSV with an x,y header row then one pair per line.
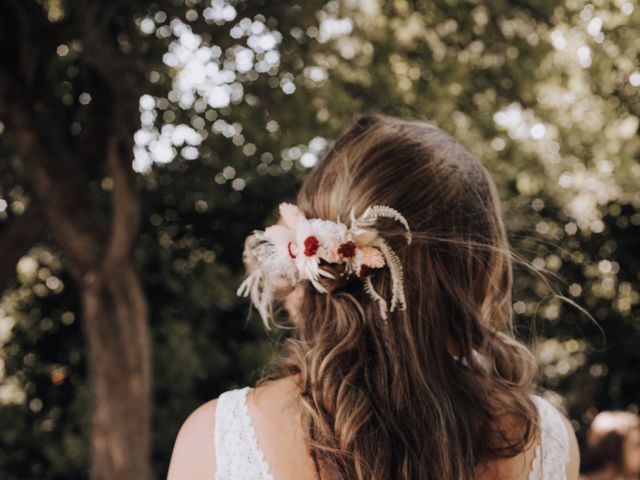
x,y
238,455
552,451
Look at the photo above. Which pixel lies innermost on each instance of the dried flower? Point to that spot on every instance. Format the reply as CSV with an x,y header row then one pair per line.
x,y
273,255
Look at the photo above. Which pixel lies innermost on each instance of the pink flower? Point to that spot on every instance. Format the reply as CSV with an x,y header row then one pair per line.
x,y
372,257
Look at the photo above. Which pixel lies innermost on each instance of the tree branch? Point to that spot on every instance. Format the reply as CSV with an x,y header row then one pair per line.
x,y
125,211
66,203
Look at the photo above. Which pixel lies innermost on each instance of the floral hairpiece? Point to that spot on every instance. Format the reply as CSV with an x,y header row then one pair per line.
x,y
293,251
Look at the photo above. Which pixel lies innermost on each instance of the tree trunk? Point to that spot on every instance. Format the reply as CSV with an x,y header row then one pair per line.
x,y
115,322
113,302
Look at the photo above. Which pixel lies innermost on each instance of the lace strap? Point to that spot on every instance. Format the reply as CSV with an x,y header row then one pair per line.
x,y
238,456
552,451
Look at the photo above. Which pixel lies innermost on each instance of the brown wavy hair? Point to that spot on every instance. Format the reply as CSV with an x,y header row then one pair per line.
x,y
442,388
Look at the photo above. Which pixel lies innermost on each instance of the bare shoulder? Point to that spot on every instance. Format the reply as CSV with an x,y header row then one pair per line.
x,y
573,467
193,454
510,468
518,467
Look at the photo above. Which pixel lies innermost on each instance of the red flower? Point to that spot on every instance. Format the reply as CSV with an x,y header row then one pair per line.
x,y
311,245
291,254
347,249
365,271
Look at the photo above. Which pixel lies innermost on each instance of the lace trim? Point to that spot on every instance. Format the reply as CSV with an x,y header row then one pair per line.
x,y
238,455
552,451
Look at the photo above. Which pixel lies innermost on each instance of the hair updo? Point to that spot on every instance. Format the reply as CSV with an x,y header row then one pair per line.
x,y
441,388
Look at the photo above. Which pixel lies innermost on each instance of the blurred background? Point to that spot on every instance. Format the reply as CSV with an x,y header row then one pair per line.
x,y
141,141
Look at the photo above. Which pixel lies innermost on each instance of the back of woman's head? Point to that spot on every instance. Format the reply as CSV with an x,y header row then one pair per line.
x,y
613,444
442,387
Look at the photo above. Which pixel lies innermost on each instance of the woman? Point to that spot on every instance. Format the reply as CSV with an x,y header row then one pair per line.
x,y
613,447
395,269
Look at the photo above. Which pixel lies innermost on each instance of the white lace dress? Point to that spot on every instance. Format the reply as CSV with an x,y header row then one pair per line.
x,y
238,455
